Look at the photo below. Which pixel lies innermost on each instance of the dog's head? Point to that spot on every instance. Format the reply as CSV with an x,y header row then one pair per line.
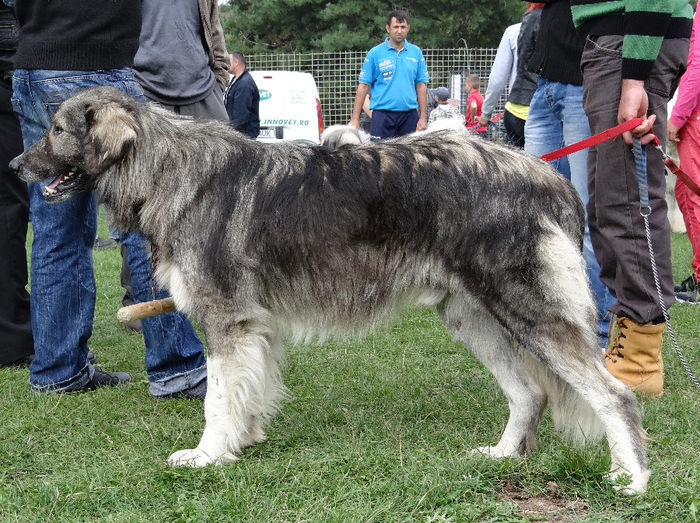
x,y
90,132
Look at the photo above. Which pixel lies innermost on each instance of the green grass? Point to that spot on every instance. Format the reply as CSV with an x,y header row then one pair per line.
x,y
374,430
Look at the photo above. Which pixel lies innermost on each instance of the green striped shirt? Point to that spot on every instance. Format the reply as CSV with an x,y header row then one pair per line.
x,y
643,24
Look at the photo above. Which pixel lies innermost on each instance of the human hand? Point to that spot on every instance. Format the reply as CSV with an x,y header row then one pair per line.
x,y
672,132
422,124
483,121
354,122
634,103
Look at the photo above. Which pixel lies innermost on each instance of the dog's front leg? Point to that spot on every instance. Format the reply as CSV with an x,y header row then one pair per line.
x,y
234,406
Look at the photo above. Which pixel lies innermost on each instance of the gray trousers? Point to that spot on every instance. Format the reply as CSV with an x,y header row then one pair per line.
x,y
617,228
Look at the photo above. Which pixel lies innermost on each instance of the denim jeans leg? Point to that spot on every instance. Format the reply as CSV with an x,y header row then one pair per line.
x,y
113,232
576,128
543,128
62,289
555,119
174,354
62,279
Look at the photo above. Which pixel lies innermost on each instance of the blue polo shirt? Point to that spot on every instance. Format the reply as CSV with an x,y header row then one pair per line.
x,y
393,76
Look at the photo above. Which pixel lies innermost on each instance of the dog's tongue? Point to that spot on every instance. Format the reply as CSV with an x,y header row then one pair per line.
x,y
51,188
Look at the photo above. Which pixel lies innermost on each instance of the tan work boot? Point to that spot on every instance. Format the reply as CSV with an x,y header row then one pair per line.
x,y
634,355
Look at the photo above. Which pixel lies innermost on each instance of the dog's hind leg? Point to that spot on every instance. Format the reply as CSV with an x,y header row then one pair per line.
x,y
243,387
580,389
557,330
479,331
584,389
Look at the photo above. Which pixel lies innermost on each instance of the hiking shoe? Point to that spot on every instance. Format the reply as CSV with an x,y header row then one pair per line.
x,y
634,355
689,284
103,244
690,297
103,378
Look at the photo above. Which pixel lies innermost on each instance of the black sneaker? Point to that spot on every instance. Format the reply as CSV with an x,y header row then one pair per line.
x,y
198,392
689,284
690,297
102,378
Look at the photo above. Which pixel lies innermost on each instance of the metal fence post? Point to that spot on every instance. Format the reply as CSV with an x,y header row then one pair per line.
x,y
336,74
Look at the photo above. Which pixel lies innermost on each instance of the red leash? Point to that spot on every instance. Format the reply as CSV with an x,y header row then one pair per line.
x,y
675,169
617,131
593,140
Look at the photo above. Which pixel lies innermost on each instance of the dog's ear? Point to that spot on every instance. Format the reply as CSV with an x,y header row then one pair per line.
x,y
111,131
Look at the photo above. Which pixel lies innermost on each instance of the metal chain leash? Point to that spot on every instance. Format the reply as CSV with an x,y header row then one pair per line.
x,y
676,347
645,210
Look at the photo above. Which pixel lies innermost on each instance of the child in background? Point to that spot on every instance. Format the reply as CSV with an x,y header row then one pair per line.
x,y
684,129
474,103
443,110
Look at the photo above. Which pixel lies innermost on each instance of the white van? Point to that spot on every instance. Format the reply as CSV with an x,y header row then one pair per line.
x,y
290,108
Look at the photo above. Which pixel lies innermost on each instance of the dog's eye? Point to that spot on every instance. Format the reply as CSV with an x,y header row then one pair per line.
x,y
57,130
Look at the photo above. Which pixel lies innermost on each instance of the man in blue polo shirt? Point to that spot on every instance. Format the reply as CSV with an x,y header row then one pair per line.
x,y
396,73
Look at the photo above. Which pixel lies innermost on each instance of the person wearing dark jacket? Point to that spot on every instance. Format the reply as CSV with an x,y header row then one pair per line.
x,y
556,118
242,99
64,47
16,344
524,81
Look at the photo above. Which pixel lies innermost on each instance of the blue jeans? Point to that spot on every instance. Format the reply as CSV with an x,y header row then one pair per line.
x,y
111,229
62,277
556,118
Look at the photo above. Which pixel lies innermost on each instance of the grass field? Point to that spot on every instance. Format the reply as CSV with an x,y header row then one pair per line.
x,y
374,430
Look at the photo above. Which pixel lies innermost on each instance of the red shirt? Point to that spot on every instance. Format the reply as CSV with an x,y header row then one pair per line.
x,y
475,96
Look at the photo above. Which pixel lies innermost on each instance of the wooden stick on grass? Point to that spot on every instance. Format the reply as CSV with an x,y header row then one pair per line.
x,y
145,309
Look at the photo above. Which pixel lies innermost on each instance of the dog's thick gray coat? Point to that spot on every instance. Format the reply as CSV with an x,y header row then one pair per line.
x,y
255,240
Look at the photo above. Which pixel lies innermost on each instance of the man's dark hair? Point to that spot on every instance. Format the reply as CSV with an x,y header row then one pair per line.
x,y
237,55
401,16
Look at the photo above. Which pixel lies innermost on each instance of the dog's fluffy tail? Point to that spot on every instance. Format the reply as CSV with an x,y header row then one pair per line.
x,y
572,415
569,371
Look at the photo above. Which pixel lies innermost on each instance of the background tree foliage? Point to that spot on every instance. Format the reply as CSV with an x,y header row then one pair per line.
x,y
263,26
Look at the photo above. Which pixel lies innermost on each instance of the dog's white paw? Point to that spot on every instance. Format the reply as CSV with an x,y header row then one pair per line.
x,y
198,458
637,482
495,452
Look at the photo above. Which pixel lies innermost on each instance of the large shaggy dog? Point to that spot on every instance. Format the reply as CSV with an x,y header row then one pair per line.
x,y
255,240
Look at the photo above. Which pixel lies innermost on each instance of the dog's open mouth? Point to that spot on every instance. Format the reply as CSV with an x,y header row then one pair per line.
x,y
63,183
